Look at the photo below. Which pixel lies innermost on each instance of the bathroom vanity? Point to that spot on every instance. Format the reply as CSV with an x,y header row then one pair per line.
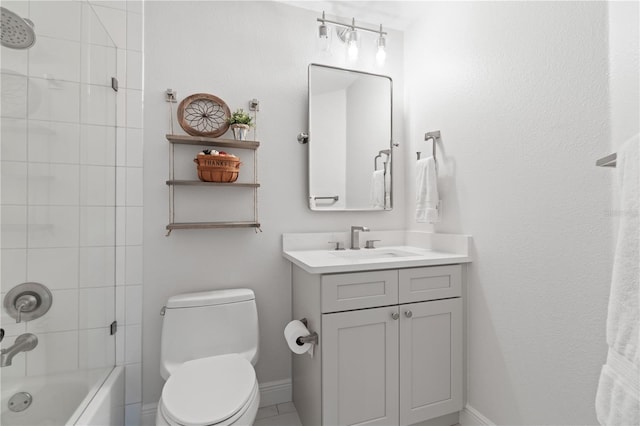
x,y
390,326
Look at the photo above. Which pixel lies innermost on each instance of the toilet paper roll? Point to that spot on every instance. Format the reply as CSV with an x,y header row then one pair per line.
x,y
292,331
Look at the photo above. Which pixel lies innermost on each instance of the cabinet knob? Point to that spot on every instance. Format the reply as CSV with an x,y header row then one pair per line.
x,y
408,314
395,315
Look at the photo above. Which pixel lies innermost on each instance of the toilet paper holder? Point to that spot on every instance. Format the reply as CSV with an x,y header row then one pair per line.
x,y
312,338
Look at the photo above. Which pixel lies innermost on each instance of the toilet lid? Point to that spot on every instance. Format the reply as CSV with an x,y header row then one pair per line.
x,y
209,390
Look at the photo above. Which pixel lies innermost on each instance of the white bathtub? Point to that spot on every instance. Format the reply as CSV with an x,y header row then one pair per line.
x,y
91,397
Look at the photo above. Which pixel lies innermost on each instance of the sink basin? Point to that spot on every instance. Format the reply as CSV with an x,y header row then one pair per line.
x,y
380,253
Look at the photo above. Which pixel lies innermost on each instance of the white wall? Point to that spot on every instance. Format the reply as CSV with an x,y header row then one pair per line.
x,y
238,51
520,93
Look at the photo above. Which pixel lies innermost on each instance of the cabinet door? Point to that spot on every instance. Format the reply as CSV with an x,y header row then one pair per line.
x,y
360,367
430,360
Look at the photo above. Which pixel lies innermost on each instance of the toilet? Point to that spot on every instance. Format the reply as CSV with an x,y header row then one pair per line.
x,y
209,346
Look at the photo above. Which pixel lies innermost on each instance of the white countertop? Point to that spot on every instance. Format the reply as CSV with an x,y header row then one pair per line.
x,y
423,249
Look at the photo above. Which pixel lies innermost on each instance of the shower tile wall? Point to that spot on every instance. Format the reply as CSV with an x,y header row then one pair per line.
x,y
54,151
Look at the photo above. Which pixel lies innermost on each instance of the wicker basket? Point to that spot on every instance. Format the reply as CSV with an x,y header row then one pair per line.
x,y
217,168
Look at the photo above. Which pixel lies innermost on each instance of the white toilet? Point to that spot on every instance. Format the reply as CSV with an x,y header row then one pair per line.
x,y
208,349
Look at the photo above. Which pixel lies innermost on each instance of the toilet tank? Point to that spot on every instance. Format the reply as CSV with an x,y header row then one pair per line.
x,y
208,323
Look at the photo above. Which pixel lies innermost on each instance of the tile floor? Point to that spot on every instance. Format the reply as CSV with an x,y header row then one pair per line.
x,y
278,415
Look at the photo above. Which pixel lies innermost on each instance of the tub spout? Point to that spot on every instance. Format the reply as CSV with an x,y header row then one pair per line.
x,y
24,343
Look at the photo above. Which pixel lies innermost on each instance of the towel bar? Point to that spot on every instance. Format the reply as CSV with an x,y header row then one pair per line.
x,y
608,161
435,137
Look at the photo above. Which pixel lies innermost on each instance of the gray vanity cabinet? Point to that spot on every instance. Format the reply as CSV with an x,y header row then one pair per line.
x,y
390,348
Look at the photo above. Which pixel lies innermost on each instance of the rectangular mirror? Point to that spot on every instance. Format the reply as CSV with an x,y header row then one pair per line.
x,y
350,145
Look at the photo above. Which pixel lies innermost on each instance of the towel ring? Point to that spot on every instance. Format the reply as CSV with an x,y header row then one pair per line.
x,y
375,160
435,137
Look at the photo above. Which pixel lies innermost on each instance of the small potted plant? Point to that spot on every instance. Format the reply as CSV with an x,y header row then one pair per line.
x,y
240,122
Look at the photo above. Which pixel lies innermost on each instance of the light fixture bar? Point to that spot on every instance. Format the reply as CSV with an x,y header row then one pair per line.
x,y
352,25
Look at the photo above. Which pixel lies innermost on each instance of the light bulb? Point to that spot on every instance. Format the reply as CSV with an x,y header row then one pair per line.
x,y
352,45
324,41
381,54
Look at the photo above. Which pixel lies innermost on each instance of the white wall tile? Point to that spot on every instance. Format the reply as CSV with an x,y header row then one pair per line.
x,y
133,383
54,100
134,226
97,267
120,265
134,265
98,105
54,184
121,186
134,147
121,72
60,19
97,348
13,268
14,227
96,306
14,61
98,64
13,178
134,70
133,344
120,5
120,305
134,108
13,134
132,414
56,352
53,226
62,316
133,304
56,59
135,6
13,102
115,22
98,186
121,146
51,142
121,107
97,226
57,268
120,343
121,236
134,186
93,31
10,326
97,145
135,32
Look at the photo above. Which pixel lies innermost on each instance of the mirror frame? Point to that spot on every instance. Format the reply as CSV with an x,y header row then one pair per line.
x,y
310,139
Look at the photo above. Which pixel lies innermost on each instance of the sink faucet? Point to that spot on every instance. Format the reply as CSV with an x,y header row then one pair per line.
x,y
355,236
24,343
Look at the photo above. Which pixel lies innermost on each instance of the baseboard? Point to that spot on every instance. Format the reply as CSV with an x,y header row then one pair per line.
x,y
271,393
275,392
148,415
469,416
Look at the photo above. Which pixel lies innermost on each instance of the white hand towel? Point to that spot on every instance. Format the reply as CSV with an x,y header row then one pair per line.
x,y
377,189
617,400
426,191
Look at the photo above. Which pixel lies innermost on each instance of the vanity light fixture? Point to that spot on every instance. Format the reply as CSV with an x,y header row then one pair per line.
x,y
324,36
381,53
348,33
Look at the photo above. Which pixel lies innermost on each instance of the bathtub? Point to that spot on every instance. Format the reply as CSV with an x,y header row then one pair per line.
x,y
88,397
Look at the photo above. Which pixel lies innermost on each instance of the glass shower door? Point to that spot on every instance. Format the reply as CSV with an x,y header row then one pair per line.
x,y
58,209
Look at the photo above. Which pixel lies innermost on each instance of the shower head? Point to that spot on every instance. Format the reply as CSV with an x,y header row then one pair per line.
x,y
17,33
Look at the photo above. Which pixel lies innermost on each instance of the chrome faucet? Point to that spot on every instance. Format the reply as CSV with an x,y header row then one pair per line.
x,y
355,236
24,343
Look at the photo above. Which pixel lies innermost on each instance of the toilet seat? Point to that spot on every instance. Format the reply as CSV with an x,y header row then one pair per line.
x,y
209,391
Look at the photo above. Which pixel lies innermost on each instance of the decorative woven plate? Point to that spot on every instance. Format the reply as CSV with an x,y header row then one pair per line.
x,y
202,114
